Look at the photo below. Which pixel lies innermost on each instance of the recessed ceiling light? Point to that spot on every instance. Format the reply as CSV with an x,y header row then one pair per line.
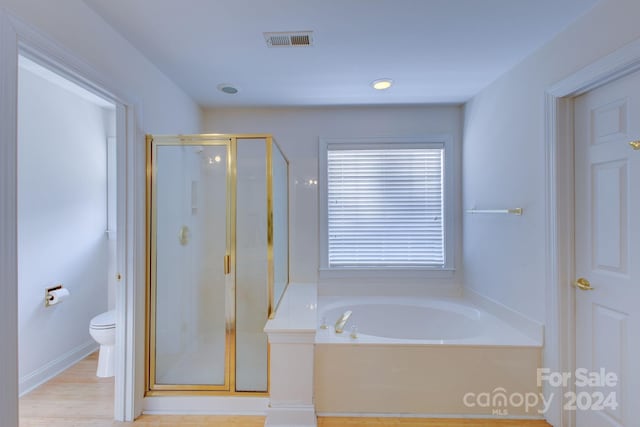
x,y
382,84
227,88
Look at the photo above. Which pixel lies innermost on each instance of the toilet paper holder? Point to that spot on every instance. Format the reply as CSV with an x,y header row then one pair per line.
x,y
47,294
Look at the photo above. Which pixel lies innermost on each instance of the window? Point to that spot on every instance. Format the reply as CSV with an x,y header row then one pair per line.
x,y
384,204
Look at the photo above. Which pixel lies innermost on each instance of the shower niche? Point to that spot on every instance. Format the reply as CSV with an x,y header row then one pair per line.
x,y
218,261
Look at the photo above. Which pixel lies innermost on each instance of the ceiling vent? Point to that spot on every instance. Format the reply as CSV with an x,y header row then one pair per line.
x,y
289,39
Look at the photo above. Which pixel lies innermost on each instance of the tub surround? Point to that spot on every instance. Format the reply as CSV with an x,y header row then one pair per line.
x,y
525,325
296,315
422,380
440,352
315,369
292,334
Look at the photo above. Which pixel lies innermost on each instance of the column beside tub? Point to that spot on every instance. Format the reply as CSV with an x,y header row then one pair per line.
x,y
292,338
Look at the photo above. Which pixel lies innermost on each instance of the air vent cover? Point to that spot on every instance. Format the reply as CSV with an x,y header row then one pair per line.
x,y
289,39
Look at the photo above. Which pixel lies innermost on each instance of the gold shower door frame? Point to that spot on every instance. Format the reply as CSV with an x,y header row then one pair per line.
x,y
230,141
153,142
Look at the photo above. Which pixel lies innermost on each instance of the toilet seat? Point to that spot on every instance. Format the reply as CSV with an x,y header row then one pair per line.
x,y
102,328
106,320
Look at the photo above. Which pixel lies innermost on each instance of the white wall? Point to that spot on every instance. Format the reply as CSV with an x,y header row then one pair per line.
x,y
164,108
297,131
62,218
504,163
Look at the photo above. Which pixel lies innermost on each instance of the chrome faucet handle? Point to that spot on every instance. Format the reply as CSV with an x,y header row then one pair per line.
x,y
339,327
323,323
354,332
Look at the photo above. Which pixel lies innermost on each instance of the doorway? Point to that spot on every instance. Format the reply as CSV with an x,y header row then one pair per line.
x,y
67,222
19,39
607,166
560,330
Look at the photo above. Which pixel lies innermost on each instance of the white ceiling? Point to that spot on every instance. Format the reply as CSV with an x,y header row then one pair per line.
x,y
436,51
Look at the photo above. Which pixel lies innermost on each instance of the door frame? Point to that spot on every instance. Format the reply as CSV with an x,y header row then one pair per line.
x,y
559,349
19,38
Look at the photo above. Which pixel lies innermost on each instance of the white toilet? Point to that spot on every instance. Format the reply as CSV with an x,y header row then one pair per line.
x,y
103,330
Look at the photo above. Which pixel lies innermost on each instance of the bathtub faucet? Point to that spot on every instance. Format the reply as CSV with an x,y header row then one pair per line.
x,y
342,321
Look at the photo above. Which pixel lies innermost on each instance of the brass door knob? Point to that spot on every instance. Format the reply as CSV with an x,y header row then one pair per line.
x,y
635,145
583,284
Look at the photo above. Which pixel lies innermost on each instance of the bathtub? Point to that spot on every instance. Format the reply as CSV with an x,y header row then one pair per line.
x,y
423,357
416,322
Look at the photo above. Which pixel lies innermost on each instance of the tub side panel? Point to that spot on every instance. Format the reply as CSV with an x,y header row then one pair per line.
x,y
423,379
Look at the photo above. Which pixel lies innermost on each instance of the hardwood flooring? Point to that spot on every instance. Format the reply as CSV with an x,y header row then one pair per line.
x,y
74,398
77,398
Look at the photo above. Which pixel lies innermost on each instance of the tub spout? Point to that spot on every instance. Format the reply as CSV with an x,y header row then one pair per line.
x,y
342,321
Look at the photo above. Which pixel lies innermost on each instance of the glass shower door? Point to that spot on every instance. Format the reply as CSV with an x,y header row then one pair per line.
x,y
191,278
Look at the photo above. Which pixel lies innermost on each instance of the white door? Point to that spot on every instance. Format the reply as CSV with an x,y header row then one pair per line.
x,y
607,251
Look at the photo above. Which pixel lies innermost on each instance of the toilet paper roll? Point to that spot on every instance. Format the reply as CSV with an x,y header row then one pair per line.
x,y
58,296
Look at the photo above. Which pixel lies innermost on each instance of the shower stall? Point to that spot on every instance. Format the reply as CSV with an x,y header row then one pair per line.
x,y
218,261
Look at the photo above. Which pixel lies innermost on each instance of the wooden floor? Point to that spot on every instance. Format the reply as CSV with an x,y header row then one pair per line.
x,y
77,398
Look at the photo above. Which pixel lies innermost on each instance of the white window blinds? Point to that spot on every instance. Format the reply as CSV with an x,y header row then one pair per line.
x,y
385,207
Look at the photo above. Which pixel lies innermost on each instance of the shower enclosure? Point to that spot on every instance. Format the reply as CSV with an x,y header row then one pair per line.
x,y
218,260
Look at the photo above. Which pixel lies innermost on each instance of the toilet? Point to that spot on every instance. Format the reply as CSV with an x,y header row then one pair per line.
x,y
103,329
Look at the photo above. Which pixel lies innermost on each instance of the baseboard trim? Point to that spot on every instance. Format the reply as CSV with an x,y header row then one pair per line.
x,y
291,416
205,405
53,368
428,416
